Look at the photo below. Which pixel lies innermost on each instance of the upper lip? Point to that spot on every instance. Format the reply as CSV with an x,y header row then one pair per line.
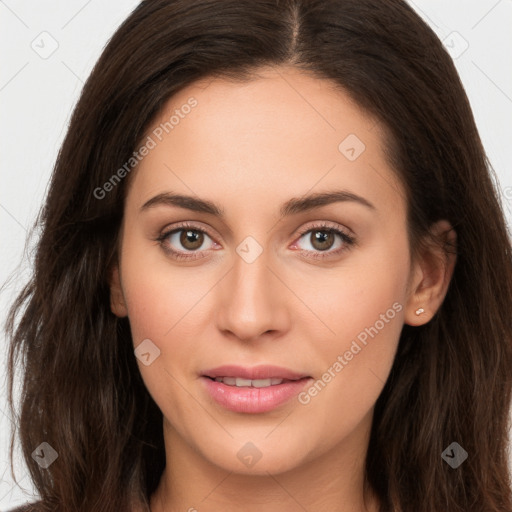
x,y
254,373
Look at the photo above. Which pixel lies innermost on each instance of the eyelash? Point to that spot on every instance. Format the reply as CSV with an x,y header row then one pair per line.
x,y
348,241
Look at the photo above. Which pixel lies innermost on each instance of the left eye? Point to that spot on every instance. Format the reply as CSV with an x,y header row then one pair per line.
x,y
323,239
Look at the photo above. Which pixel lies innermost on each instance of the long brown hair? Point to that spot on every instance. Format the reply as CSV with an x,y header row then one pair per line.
x,y
82,392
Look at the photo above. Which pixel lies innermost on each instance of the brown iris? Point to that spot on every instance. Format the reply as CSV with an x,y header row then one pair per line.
x,y
194,238
324,239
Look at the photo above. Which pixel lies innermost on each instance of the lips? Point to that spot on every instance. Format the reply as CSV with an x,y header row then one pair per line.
x,y
253,390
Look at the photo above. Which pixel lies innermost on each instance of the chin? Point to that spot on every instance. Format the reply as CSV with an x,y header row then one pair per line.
x,y
253,457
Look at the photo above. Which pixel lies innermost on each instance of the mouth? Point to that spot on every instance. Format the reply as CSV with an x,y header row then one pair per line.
x,y
253,390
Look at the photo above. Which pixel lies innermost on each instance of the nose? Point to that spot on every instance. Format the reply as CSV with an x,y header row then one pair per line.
x,y
252,301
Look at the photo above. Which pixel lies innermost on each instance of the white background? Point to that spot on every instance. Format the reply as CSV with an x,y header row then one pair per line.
x,y
37,95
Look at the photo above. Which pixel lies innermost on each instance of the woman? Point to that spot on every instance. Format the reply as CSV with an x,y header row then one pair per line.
x,y
273,273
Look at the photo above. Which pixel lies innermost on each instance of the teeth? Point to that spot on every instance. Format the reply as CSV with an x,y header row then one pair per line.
x,y
256,383
262,383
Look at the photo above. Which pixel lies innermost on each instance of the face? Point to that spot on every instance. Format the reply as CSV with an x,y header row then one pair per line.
x,y
290,252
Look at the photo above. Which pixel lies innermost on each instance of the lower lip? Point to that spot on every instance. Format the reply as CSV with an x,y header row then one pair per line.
x,y
253,400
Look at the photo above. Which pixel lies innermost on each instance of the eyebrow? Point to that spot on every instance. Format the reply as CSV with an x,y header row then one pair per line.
x,y
292,206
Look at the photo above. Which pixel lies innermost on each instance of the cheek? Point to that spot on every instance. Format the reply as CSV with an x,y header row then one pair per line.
x,y
160,311
351,297
364,309
159,294
164,303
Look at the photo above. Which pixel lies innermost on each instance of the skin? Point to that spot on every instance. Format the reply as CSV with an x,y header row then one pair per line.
x,y
250,148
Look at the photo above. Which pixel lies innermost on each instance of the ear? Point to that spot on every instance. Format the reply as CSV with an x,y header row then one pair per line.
x,y
117,301
431,275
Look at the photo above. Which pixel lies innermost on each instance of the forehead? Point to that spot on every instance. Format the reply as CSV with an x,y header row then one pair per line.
x,y
283,130
275,104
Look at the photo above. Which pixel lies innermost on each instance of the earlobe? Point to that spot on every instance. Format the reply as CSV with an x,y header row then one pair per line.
x,y
117,302
432,275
